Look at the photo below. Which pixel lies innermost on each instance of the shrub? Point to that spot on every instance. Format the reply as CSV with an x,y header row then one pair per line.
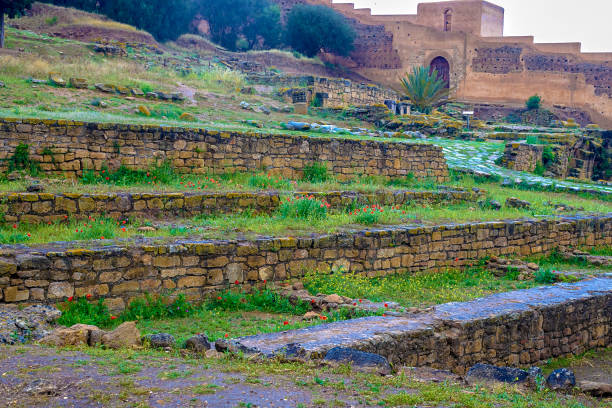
x,y
539,169
306,208
548,156
533,102
424,89
316,173
85,312
545,276
314,28
264,300
159,174
20,160
267,181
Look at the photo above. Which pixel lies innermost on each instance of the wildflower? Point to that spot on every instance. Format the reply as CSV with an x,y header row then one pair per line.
x,y
226,335
88,296
113,317
323,317
360,300
456,259
123,229
14,225
70,299
236,283
285,323
101,237
219,298
386,305
29,235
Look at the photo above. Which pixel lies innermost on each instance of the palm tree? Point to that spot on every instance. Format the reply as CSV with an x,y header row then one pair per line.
x,y
424,88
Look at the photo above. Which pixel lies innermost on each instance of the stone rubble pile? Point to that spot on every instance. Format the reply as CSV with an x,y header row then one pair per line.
x,y
501,267
30,323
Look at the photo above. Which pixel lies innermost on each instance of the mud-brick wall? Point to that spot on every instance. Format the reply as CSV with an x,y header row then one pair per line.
x,y
53,272
68,147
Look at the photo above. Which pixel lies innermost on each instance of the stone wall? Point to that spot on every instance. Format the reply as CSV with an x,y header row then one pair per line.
x,y
329,92
122,271
519,328
69,147
45,207
522,156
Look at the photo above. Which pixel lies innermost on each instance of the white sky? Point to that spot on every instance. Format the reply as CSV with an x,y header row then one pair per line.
x,y
585,21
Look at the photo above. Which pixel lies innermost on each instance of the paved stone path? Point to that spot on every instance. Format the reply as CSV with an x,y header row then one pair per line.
x,y
364,333
481,156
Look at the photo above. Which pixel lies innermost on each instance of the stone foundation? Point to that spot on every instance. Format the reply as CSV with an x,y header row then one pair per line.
x,y
119,272
519,328
44,207
522,156
69,147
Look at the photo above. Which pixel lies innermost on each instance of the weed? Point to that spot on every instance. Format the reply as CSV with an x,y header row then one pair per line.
x,y
545,276
264,300
307,208
316,173
20,160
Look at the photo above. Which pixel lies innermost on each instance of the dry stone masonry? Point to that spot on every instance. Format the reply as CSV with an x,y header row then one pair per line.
x,y
507,329
45,207
124,270
76,146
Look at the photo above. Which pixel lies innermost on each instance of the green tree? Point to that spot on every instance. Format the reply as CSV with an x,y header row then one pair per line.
x,y
233,22
11,8
424,88
311,29
533,102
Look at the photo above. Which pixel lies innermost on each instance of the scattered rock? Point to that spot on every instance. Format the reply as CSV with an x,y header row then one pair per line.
x,y
144,110
159,340
146,229
597,389
198,343
246,106
212,353
126,335
359,360
186,116
502,267
496,205
333,298
137,92
105,88
56,79
432,375
177,97
265,110
254,123
35,188
561,379
123,90
78,83
151,95
41,387
76,335
297,126
30,323
490,373
13,176
2,84
513,202
311,316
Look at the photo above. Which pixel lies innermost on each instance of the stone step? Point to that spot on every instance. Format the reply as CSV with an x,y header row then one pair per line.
x,y
520,327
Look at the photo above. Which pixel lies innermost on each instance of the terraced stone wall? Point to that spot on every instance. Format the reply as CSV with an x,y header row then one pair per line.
x,y
522,156
44,207
68,147
121,272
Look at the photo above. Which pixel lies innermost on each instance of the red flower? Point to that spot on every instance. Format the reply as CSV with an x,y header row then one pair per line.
x,y
386,305
384,315
101,237
360,300
226,335
265,281
323,317
88,296
312,301
29,235
113,317
456,259
285,323
236,283
70,299
219,297
354,303
14,225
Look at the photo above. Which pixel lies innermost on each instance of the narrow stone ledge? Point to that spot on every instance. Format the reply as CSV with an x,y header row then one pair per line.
x,y
514,328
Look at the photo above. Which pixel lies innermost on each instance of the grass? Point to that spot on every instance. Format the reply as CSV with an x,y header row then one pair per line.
x,y
420,289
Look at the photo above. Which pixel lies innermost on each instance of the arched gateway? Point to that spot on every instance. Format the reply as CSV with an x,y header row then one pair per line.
x,y
441,65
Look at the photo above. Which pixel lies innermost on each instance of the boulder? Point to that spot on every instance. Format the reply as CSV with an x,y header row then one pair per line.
x,y
513,202
297,126
359,360
78,83
597,389
333,298
164,96
35,188
105,88
1,84
56,79
137,92
123,90
495,205
212,353
126,335
311,316
490,373
188,117
159,340
144,110
561,379
265,110
69,336
151,95
177,97
198,343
